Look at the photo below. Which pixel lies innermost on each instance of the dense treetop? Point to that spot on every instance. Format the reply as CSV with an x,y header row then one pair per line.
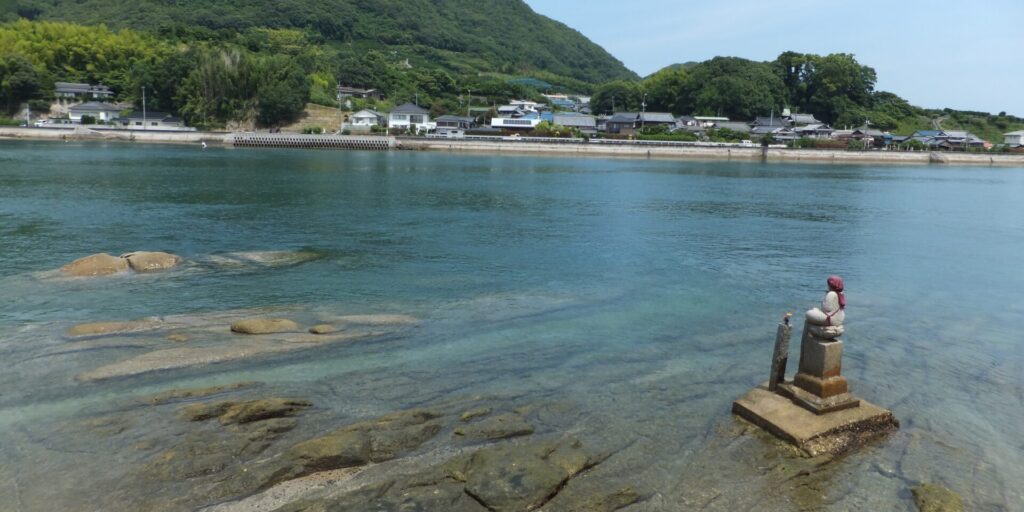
x,y
462,35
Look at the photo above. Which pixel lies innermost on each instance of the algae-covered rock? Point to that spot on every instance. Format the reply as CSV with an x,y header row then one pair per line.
x,y
232,412
108,328
101,264
475,413
512,478
502,426
264,326
203,411
374,440
144,261
323,329
936,498
262,409
611,502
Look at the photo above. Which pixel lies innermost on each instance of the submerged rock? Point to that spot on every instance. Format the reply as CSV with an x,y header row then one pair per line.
x,y
936,498
323,329
475,413
611,502
182,394
188,356
144,261
513,478
100,264
358,444
232,412
386,320
264,326
108,328
262,409
499,427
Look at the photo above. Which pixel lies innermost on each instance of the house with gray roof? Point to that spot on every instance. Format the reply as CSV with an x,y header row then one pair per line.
x,y
1014,138
450,123
409,116
813,131
629,123
138,120
70,91
101,112
584,123
801,120
735,126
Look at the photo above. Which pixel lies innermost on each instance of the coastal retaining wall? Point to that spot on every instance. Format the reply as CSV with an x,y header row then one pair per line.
x,y
291,140
84,133
713,153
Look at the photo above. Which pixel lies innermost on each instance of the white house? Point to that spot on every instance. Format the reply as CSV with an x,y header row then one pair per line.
x,y
153,121
508,123
1014,138
364,119
409,116
101,112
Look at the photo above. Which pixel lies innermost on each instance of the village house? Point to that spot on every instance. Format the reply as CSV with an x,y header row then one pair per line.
x,y
735,126
450,123
70,92
345,92
794,120
516,124
813,131
100,112
587,125
630,123
1014,139
709,121
365,120
138,120
948,140
410,117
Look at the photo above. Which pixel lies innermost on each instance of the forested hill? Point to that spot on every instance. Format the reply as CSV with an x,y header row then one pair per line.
x,y
503,36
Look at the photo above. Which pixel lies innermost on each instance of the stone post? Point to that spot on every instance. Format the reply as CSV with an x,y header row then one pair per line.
x,y
780,356
818,385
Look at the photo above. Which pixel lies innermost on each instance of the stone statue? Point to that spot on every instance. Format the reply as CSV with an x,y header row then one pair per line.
x,y
818,384
827,322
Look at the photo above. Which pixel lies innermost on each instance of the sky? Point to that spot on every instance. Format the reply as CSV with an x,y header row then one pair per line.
x,y
967,54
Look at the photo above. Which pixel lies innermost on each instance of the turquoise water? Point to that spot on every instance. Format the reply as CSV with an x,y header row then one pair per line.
x,y
644,294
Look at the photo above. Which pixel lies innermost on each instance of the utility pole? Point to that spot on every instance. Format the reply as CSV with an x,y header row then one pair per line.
x,y
643,111
469,103
143,107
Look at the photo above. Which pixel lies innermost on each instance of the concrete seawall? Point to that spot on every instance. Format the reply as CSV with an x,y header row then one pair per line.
x,y
578,149
712,153
83,133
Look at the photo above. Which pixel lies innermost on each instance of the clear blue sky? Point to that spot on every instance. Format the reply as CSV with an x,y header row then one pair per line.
x,y
966,54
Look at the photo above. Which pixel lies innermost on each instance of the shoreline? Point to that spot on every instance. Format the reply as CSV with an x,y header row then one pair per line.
x,y
746,154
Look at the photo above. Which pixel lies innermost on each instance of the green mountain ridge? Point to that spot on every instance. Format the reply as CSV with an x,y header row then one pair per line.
x,y
459,35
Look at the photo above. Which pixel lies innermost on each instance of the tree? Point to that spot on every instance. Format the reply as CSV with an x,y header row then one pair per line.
x,y
733,87
663,89
617,96
19,81
835,83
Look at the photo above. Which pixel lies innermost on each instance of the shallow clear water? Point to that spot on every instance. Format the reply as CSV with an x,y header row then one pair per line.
x,y
644,293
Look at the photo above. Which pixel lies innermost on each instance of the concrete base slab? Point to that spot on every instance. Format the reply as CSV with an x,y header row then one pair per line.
x,y
816,404
815,434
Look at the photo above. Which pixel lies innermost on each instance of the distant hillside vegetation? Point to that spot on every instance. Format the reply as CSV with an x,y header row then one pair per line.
x,y
459,35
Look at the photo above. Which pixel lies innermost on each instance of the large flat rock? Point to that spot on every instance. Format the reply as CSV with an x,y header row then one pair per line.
x,y
815,434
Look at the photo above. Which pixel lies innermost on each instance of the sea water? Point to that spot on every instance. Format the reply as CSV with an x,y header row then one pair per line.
x,y
642,294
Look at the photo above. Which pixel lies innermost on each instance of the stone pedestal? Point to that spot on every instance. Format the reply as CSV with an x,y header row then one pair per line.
x,y
818,385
